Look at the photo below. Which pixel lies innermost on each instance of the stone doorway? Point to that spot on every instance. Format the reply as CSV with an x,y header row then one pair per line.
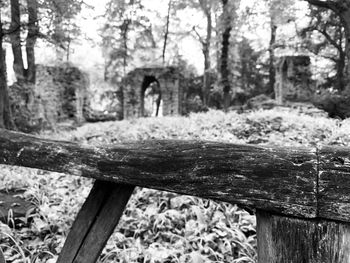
x,y
148,91
151,97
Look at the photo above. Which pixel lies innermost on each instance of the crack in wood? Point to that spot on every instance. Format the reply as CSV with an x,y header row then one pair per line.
x,y
317,190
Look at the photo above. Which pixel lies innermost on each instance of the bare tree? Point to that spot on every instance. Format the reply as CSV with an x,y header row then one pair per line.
x,y
33,31
15,37
272,70
226,21
5,112
342,9
166,34
206,7
22,74
326,23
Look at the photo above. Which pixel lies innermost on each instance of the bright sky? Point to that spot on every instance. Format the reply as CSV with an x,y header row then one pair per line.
x,y
189,47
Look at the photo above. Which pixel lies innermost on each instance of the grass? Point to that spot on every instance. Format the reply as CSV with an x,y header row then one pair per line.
x,y
159,226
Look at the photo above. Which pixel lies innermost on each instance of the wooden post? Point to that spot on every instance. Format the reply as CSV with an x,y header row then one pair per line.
x,y
287,240
95,222
2,258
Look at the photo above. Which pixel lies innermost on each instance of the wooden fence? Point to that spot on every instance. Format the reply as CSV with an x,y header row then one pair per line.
x,y
301,195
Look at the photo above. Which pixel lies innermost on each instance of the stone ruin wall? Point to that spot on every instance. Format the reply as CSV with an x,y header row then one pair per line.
x,y
170,87
60,93
293,79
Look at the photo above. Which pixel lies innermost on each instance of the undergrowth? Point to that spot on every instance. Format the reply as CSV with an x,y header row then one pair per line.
x,y
158,226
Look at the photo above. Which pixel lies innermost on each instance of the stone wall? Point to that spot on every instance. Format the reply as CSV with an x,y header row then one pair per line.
x,y
60,93
136,82
63,92
293,79
22,103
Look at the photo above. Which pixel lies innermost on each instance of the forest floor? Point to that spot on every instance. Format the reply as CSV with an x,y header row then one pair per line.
x,y
158,226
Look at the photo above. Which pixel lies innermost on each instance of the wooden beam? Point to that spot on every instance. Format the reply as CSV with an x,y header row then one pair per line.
x,y
334,183
302,182
281,180
285,239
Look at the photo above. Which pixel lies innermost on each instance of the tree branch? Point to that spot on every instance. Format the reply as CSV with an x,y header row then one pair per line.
x,y
199,36
325,4
330,39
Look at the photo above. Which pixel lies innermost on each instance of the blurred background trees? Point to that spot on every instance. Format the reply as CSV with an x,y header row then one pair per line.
x,y
325,37
340,11
23,23
227,50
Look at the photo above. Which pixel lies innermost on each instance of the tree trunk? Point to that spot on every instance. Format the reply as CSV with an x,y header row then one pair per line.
x,y
272,71
224,70
3,85
31,39
5,112
59,37
345,18
340,71
15,36
124,32
207,63
68,49
166,34
206,77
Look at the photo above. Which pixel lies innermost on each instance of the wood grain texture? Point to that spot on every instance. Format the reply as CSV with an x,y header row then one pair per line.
x,y
95,222
84,220
334,183
281,180
288,240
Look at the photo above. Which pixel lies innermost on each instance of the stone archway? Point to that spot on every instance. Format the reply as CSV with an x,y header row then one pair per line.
x,y
151,97
162,84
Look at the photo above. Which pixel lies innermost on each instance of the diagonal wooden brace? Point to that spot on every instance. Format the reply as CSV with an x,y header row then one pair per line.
x,y
2,258
95,222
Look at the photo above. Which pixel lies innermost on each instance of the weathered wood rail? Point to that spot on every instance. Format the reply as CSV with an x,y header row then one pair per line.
x,y
301,195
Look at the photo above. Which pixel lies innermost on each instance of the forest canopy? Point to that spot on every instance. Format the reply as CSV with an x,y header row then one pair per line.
x,y
227,50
